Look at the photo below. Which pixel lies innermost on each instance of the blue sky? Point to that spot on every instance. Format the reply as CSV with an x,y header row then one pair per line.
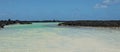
x,y
60,9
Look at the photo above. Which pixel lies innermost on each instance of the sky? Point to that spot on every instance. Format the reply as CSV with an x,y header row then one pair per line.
x,y
60,9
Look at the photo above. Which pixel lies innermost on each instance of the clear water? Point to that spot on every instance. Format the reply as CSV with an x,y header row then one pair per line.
x,y
48,37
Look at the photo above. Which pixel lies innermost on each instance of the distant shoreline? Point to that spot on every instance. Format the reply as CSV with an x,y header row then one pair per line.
x,y
88,23
92,23
10,22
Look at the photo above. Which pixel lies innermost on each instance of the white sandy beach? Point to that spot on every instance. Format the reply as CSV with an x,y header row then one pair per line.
x,y
48,37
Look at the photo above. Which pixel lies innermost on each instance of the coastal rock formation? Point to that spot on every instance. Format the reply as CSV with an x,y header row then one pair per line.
x,y
24,22
2,25
94,23
10,22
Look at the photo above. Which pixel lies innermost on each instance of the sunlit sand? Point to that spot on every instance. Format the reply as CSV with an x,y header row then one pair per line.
x,y
48,37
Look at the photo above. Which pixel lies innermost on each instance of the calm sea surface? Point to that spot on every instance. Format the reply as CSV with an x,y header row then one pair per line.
x,y
48,37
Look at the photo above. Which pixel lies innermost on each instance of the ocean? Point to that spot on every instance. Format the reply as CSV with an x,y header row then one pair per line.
x,y
48,37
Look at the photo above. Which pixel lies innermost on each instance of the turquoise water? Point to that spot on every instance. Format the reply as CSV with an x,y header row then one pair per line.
x,y
48,37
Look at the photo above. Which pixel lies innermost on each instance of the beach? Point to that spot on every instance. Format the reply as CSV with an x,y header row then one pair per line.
x,y
49,37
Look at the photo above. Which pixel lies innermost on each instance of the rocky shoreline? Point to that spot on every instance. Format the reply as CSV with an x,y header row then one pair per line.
x,y
92,23
10,22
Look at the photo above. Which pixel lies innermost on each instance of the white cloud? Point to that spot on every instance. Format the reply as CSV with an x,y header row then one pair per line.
x,y
106,3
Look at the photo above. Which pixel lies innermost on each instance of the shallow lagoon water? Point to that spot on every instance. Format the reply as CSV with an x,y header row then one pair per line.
x,y
48,37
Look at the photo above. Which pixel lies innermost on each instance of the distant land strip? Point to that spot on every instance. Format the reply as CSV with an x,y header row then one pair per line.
x,y
93,23
11,22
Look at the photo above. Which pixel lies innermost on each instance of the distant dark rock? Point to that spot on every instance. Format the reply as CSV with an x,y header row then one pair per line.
x,y
10,22
24,22
2,26
94,23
